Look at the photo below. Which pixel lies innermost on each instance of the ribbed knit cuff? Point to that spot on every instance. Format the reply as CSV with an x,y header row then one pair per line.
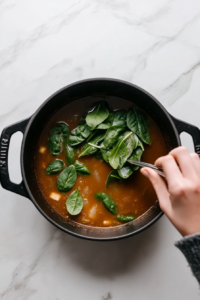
x,y
190,247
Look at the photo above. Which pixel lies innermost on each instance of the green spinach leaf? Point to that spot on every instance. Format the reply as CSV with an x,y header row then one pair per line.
x,y
107,123
125,218
102,126
56,137
89,149
62,129
67,179
98,115
119,118
128,168
140,144
69,154
54,167
106,154
112,136
126,171
113,176
74,203
98,154
55,144
92,134
79,134
137,123
81,169
107,201
136,155
123,150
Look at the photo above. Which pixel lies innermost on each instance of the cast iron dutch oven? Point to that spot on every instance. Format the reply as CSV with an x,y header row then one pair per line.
x,y
31,129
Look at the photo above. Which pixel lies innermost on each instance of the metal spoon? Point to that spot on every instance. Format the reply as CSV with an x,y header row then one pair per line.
x,y
143,164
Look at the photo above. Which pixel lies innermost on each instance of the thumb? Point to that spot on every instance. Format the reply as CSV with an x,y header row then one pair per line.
x,y
159,187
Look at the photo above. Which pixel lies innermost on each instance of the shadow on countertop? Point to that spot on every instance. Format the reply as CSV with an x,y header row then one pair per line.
x,y
111,258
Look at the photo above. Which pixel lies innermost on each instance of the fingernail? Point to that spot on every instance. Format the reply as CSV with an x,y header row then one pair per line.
x,y
144,172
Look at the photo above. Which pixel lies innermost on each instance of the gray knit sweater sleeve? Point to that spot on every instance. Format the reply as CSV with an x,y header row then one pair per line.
x,y
190,246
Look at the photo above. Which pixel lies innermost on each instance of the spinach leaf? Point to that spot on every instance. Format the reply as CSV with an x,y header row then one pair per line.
x,y
107,123
94,145
98,154
79,134
106,154
107,201
67,179
128,168
55,144
123,150
136,155
120,118
62,129
98,115
126,171
54,167
81,169
112,136
102,145
102,126
113,176
125,218
140,144
56,137
117,118
69,154
74,203
136,122
89,149
91,135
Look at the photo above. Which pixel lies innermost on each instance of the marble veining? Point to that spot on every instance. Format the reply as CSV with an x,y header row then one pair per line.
x,y
46,45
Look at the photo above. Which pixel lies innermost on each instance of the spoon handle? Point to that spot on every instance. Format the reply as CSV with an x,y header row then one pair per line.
x,y
143,164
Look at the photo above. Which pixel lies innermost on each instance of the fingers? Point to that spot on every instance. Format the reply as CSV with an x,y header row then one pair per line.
x,y
172,172
196,163
159,187
185,162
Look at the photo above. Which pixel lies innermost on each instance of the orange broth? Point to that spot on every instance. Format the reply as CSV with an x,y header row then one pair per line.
x,y
133,196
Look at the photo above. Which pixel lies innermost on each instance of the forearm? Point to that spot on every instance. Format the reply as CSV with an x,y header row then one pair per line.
x,y
190,247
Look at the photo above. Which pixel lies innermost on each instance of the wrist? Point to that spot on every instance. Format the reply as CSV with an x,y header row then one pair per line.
x,y
186,232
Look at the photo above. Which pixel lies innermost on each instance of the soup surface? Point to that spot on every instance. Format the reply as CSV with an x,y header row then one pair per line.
x,y
133,196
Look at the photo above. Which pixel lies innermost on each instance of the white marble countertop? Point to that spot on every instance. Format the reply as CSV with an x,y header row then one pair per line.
x,y
46,45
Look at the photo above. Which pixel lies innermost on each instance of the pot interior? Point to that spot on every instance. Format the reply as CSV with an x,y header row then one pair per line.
x,y
119,95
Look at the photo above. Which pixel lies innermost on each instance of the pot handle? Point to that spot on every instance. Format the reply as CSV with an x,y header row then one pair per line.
x,y
191,129
4,146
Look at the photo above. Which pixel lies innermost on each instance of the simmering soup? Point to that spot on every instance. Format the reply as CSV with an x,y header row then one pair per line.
x,y
73,166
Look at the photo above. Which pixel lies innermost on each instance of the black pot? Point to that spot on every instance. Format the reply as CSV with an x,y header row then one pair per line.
x,y
31,128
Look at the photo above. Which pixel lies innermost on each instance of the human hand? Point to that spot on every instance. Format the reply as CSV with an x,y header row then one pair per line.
x,y
179,195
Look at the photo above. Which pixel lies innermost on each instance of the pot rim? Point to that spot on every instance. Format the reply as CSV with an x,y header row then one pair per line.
x,y
23,145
